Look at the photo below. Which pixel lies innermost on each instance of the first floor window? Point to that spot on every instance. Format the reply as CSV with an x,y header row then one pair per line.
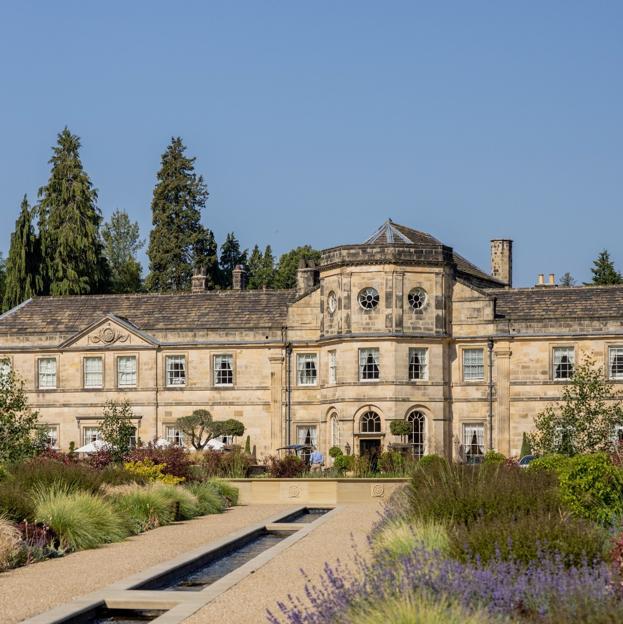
x,y
306,369
563,362
173,435
52,436
91,434
332,367
307,435
416,437
126,371
5,367
93,372
370,423
176,370
368,364
615,362
473,365
223,370
418,364
474,443
47,373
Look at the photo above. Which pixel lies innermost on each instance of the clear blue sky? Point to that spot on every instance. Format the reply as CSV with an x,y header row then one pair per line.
x,y
312,122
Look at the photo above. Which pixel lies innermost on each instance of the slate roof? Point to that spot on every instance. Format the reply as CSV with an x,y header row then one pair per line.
x,y
153,312
555,302
391,233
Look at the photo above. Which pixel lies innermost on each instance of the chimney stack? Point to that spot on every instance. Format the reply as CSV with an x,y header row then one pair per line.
x,y
199,279
238,278
552,279
305,276
540,280
502,260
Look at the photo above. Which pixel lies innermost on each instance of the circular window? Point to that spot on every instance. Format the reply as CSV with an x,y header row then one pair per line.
x,y
417,298
332,302
368,298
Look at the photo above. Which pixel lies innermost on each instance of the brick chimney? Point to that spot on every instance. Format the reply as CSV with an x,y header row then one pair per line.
x,y
199,279
238,278
502,260
306,276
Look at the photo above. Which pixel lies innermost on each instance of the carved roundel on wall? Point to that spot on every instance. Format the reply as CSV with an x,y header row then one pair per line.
x,y
368,298
417,298
332,302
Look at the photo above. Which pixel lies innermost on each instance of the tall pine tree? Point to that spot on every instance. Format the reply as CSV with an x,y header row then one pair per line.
x,y
231,257
178,243
255,269
285,275
604,273
122,242
23,279
2,279
69,220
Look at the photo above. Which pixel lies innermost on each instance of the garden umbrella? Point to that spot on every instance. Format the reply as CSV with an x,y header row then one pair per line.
x,y
92,447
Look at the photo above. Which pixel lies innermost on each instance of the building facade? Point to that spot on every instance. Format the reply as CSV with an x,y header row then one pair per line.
x,y
400,327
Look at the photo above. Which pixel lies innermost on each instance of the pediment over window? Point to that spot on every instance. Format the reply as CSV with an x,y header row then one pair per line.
x,y
110,331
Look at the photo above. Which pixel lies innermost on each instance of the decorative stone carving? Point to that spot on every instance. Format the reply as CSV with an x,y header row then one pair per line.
x,y
294,491
108,335
377,490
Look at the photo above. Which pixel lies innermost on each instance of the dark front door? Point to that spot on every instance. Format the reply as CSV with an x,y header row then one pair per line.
x,y
371,449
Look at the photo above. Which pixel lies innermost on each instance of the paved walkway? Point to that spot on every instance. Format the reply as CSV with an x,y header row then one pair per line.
x,y
247,602
30,590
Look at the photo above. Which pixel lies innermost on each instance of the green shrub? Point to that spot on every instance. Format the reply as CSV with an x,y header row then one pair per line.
x,y
80,519
147,470
553,462
400,428
182,499
432,462
287,467
592,487
226,490
493,457
335,451
344,463
142,507
209,498
393,462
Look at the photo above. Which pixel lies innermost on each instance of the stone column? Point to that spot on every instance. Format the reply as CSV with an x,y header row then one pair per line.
x,y
277,432
502,352
398,301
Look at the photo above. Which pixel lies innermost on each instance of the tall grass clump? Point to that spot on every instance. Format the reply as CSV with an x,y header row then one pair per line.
x,y
226,490
41,473
210,500
399,538
142,507
182,500
10,539
80,519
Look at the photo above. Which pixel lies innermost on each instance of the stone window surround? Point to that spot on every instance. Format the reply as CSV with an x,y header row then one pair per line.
x,y
608,347
57,386
234,370
138,368
175,354
485,363
560,345
426,375
56,426
360,377
84,372
296,369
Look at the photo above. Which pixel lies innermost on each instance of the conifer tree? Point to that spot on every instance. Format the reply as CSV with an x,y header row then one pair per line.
x,y
604,273
566,279
268,268
69,220
255,269
23,279
178,243
121,244
2,279
231,257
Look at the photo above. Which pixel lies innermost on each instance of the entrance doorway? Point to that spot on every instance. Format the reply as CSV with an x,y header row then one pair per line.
x,y
371,448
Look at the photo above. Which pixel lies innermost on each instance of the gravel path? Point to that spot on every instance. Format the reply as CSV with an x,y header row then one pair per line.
x,y
30,590
247,602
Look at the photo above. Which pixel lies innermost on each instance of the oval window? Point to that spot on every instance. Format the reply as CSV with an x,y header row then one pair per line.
x,y
332,302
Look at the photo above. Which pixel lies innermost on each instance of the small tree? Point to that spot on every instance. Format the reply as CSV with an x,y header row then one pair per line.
x,y
400,428
199,428
566,279
604,272
526,447
21,433
117,429
586,418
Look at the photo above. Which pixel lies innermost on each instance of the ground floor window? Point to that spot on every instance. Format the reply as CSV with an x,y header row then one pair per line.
x,y
334,428
474,443
417,437
52,436
307,435
370,423
173,435
91,434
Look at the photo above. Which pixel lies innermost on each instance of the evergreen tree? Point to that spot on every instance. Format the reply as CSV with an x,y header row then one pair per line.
x,y
178,243
567,279
23,279
121,244
73,262
267,276
604,273
231,257
285,275
2,280
255,269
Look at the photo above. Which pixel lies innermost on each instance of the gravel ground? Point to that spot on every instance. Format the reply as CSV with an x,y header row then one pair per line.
x,y
30,590
247,602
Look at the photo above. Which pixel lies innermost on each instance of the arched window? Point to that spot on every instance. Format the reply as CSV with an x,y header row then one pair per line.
x,y
334,428
417,437
370,423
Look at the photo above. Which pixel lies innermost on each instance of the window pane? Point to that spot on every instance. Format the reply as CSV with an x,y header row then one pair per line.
x,y
126,371
173,435
52,436
5,367
176,370
335,430
417,437
615,362
368,364
307,436
306,370
474,443
370,423
47,373
223,370
563,362
473,364
93,372
418,364
91,434
332,367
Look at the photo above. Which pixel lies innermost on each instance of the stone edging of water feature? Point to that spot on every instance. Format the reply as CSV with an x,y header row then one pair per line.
x,y
181,604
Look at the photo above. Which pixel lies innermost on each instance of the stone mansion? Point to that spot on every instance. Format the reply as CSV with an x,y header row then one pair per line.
x,y
399,327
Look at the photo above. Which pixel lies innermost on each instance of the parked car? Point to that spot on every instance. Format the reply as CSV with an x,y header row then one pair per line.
x,y
525,460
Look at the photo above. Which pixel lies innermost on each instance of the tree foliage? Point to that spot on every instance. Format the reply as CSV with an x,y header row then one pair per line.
x,y
117,429
21,433
566,279
285,276
585,420
23,279
231,257
69,222
178,242
2,281
122,242
604,272
199,428
261,268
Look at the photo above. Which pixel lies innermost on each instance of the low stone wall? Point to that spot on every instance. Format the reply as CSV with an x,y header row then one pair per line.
x,y
315,491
